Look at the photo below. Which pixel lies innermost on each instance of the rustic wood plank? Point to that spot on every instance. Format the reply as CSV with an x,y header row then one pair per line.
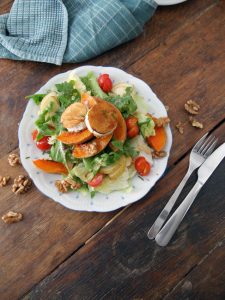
x,y
48,234
5,6
121,263
33,75
206,280
190,65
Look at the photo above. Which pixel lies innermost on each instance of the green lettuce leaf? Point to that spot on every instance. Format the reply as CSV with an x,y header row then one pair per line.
x,y
125,149
37,98
91,83
67,93
125,104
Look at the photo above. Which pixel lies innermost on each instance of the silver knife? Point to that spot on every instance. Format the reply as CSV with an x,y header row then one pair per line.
x,y
204,172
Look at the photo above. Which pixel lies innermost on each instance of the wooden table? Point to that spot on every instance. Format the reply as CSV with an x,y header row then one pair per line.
x,y
56,253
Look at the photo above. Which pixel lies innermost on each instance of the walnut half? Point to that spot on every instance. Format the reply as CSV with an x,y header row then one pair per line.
x,y
13,159
192,107
64,185
159,154
21,184
195,123
179,126
4,180
12,217
162,121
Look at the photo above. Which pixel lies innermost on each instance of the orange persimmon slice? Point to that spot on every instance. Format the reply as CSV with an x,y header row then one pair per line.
x,y
50,166
91,148
70,138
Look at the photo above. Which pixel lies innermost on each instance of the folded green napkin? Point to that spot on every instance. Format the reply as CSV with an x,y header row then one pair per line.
x,y
57,31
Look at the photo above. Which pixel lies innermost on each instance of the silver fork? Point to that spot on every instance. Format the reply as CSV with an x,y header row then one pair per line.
x,y
201,150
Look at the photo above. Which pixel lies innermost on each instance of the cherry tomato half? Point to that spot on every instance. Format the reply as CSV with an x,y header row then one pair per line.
x,y
142,166
131,122
105,82
42,144
134,131
96,181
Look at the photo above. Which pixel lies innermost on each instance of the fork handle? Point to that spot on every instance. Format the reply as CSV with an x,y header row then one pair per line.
x,y
168,230
153,231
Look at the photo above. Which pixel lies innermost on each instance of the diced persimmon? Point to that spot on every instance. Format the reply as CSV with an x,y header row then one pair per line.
x,y
88,100
157,141
70,138
50,166
91,148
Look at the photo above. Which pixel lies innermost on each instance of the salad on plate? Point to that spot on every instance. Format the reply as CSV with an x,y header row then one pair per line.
x,y
97,134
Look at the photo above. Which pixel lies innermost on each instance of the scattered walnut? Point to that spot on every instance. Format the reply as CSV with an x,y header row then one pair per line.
x,y
12,217
4,180
21,184
64,185
159,122
195,123
192,107
159,154
13,159
180,127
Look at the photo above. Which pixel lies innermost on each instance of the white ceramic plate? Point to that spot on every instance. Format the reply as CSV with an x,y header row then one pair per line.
x,y
76,200
169,2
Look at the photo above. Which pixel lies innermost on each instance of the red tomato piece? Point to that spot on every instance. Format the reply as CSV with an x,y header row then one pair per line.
x,y
142,166
131,122
105,82
34,134
43,144
96,181
133,131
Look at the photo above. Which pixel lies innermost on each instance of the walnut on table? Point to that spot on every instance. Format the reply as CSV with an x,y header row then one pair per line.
x,y
21,184
65,185
4,180
12,217
13,159
192,107
195,123
179,127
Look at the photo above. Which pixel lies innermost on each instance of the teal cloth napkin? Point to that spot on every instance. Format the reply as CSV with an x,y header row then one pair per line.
x,y
57,31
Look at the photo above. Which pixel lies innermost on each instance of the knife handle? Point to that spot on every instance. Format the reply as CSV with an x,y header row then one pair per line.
x,y
154,230
168,230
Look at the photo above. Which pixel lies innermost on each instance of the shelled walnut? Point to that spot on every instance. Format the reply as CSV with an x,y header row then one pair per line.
x,y
195,123
64,185
159,154
162,121
179,126
21,184
4,180
192,107
12,217
13,159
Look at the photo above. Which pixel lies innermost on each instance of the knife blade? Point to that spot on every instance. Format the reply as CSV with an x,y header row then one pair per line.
x,y
204,172
210,164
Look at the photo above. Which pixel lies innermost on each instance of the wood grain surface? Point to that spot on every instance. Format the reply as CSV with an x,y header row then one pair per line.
x,y
122,262
55,253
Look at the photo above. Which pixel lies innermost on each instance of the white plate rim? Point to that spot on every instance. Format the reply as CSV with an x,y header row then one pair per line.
x,y
63,198
169,2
